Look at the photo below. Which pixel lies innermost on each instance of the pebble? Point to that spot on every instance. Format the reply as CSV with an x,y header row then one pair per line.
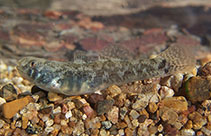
x,y
141,102
174,81
8,92
134,114
16,105
71,105
49,122
113,115
68,114
104,106
197,89
106,124
168,115
48,129
54,97
135,123
88,111
1,123
57,110
178,104
206,131
198,120
114,90
123,112
187,132
79,128
206,70
63,122
152,107
166,92
2,101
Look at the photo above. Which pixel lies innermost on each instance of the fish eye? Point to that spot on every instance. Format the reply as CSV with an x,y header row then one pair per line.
x,y
32,64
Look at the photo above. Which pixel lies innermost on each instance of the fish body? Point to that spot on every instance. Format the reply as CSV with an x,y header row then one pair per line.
x,y
77,78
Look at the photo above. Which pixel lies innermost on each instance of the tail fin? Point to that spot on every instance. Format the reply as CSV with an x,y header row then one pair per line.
x,y
180,57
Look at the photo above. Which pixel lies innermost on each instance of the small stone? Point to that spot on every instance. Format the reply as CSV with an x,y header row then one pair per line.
x,y
114,90
93,123
205,70
54,97
189,124
121,132
67,130
198,88
57,110
113,115
2,101
160,128
1,123
168,115
79,128
25,121
11,108
78,103
198,120
106,124
134,114
206,131
152,107
104,106
135,123
68,114
18,124
49,122
121,125
88,111
8,92
32,129
84,117
187,132
178,104
174,82
63,122
123,112
95,98
166,92
17,80
141,102
48,129
128,132
142,118
46,110
71,105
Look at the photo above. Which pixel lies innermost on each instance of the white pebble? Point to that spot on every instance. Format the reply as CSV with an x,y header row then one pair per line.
x,y
49,122
121,132
1,123
57,110
49,129
2,101
166,92
45,118
187,132
17,80
18,124
84,116
68,115
63,123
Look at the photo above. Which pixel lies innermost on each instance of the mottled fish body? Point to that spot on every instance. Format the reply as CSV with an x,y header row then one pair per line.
x,y
75,78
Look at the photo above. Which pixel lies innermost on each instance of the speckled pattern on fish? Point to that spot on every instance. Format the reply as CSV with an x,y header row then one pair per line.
x,y
76,78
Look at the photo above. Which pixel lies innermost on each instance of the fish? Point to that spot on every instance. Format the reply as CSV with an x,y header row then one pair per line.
x,y
79,78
